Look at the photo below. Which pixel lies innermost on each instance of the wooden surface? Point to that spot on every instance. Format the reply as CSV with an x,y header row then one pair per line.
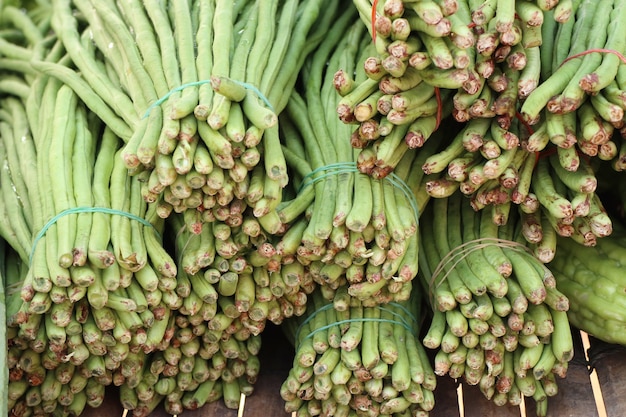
x,y
446,400
575,397
609,362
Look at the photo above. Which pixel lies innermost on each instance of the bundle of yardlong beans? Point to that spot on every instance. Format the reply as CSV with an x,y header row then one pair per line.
x,y
93,277
577,113
193,88
345,227
499,321
89,291
353,359
521,105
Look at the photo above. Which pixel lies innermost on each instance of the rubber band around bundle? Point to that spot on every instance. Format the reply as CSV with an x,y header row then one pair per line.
x,y
401,320
78,210
187,242
462,251
181,87
598,50
374,6
350,167
439,107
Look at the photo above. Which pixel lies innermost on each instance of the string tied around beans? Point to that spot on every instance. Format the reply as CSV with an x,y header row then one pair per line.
x,y
456,255
597,50
180,231
351,167
181,87
85,209
401,321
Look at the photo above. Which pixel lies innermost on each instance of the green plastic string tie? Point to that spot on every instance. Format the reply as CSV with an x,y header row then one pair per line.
x,y
258,92
77,210
350,167
181,87
456,255
407,313
335,169
402,321
399,183
187,242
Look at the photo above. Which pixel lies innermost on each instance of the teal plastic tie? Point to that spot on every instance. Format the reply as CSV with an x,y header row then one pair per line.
x,y
78,210
350,167
181,87
402,321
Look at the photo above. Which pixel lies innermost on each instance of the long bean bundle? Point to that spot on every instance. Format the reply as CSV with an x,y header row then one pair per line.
x,y
499,321
520,105
82,317
345,227
193,89
353,359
